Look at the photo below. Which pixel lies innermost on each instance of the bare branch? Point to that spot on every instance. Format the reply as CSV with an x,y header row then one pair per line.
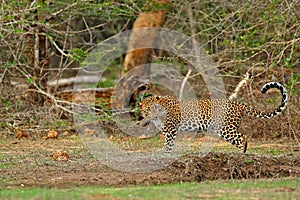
x,y
183,84
241,84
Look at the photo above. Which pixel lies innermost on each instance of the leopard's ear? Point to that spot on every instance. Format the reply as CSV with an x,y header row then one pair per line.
x,y
157,97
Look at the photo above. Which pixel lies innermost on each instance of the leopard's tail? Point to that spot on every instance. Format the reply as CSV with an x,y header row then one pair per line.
x,y
250,111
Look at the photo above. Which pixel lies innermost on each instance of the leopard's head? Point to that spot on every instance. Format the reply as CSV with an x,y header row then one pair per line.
x,y
155,108
149,105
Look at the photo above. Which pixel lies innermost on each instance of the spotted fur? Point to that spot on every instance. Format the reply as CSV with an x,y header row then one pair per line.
x,y
221,115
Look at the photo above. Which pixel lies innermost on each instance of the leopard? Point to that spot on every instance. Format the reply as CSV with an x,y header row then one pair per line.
x,y
222,116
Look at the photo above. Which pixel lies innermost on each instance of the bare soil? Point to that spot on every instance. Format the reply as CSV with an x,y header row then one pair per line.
x,y
29,162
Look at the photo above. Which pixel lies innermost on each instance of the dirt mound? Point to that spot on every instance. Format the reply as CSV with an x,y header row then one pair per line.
x,y
236,166
218,166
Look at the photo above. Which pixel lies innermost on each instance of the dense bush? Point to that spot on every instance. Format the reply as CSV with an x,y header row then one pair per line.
x,y
42,40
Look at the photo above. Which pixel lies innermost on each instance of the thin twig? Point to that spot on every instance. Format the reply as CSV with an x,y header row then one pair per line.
x,y
36,63
183,84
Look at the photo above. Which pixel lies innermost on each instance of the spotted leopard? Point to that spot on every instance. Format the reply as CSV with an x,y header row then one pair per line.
x,y
220,115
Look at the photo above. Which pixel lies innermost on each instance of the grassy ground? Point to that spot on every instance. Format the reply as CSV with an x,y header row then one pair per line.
x,y
243,189
28,162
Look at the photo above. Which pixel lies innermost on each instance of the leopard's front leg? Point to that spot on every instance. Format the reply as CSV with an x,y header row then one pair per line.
x,y
169,130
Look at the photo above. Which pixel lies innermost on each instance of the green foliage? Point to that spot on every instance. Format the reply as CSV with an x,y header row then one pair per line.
x,y
7,103
151,5
110,10
110,75
57,123
87,118
247,30
77,54
294,80
29,80
3,125
248,161
109,82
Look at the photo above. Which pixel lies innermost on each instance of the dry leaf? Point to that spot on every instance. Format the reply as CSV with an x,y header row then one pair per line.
x,y
60,156
21,134
112,138
66,133
143,137
124,139
162,137
73,136
52,134
89,132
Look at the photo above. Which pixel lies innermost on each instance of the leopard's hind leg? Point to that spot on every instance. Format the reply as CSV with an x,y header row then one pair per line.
x,y
235,138
229,131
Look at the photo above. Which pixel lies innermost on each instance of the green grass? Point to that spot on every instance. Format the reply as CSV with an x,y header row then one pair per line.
x,y
242,189
271,151
4,165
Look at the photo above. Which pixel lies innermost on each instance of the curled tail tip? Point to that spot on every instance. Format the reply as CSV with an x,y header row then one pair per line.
x,y
276,85
283,91
270,85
